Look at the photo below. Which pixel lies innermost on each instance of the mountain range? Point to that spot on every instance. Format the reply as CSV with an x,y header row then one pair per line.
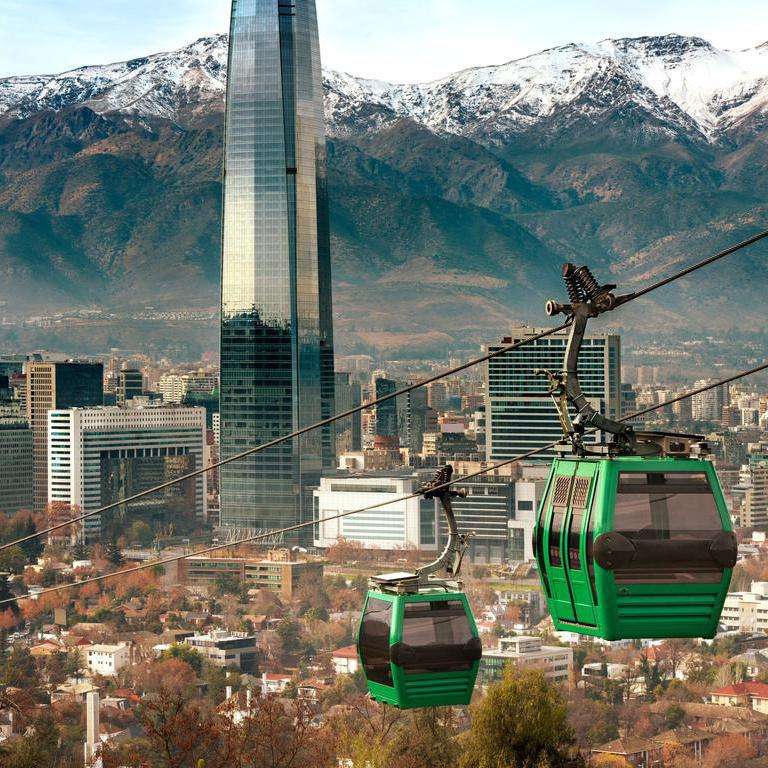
x,y
453,202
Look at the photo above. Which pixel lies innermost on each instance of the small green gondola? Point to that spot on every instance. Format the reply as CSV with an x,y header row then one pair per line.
x,y
419,649
633,538
417,640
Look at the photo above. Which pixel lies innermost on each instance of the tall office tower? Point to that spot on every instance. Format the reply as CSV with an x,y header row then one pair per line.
x,y
520,415
101,455
384,414
348,431
15,465
437,395
276,324
52,385
413,418
130,384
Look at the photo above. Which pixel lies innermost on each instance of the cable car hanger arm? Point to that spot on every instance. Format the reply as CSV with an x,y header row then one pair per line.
x,y
588,299
453,554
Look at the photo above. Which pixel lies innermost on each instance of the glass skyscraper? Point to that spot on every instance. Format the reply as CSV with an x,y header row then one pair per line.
x,y
520,415
276,325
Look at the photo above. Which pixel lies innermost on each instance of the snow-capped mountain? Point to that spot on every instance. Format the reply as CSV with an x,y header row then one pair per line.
x,y
684,83
159,85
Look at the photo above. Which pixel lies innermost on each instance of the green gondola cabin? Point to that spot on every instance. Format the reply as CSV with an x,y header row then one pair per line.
x,y
419,649
632,547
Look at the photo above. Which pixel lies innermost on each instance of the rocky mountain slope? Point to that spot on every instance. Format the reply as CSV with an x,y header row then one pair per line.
x,y
452,202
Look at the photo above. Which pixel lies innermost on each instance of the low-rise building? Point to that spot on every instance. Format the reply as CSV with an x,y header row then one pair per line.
x,y
278,572
345,660
639,753
750,694
527,651
106,660
272,683
236,650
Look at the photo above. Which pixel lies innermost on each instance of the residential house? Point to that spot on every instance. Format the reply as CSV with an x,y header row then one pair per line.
x,y
272,683
748,694
640,753
345,660
107,660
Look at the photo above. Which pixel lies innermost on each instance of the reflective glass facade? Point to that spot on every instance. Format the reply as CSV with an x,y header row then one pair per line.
x,y
520,415
276,333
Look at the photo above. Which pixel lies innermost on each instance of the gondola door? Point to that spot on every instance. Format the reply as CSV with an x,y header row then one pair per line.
x,y
577,543
554,549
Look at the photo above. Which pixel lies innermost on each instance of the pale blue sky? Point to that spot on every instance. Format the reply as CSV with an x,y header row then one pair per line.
x,y
403,40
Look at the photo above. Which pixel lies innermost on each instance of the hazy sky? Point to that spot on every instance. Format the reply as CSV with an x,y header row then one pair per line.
x,y
405,40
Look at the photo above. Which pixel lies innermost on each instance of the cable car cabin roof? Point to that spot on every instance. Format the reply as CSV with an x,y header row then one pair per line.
x,y
419,649
632,547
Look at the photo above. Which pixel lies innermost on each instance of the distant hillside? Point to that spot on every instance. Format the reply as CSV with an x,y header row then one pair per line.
x,y
453,203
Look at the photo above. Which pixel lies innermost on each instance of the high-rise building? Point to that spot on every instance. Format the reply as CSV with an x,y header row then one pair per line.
x,y
276,319
486,511
520,415
437,395
171,387
708,406
100,455
50,386
413,418
130,384
349,430
384,414
16,468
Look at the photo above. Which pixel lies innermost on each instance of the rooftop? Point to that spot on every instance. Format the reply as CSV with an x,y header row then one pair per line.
x,y
758,690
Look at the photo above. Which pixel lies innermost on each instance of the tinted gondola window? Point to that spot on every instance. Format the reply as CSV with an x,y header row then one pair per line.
x,y
671,518
437,637
374,641
558,517
574,539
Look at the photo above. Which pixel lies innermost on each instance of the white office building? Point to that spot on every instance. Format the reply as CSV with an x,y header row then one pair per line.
x,y
526,651
519,412
746,611
409,523
100,454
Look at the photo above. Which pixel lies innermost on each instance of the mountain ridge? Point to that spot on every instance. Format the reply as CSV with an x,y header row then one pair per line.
x,y
452,202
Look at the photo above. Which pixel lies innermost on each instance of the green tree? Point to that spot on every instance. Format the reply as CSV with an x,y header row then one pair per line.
x,y
184,652
18,669
227,584
80,550
288,631
20,526
521,723
141,532
674,716
13,559
425,740
38,749
701,670
113,554
652,673
6,594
